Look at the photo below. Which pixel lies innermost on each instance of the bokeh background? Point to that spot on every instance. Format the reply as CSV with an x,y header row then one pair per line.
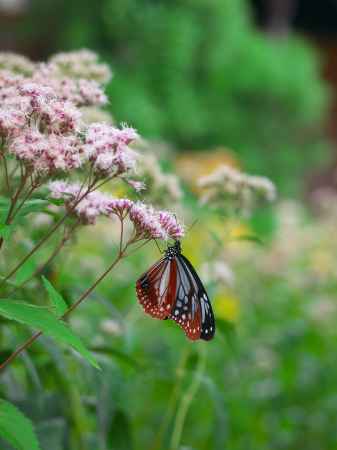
x,y
251,84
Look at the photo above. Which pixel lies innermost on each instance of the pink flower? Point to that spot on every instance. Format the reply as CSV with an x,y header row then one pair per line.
x,y
120,206
61,189
170,224
107,148
46,154
82,64
81,92
89,208
11,121
146,222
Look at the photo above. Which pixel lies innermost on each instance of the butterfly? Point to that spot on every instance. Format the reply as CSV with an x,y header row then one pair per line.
x,y
171,289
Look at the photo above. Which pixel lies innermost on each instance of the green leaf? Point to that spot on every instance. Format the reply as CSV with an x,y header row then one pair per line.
x,y
41,319
6,231
4,209
59,304
119,355
16,429
26,271
56,201
4,201
34,205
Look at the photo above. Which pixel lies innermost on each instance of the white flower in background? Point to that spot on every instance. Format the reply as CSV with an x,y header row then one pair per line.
x,y
159,184
229,188
83,64
218,272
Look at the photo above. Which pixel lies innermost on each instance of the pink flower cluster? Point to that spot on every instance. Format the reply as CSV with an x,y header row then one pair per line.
x,y
88,208
53,115
108,148
46,154
39,129
81,64
148,223
81,92
41,124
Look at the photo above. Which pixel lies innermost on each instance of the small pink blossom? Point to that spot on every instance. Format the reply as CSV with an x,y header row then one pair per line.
x,y
81,92
107,148
46,154
120,206
87,209
170,224
61,189
11,121
146,222
60,117
83,64
92,206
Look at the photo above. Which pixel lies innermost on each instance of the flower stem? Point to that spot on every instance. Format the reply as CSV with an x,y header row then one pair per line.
x,y
14,201
45,238
35,336
187,400
53,255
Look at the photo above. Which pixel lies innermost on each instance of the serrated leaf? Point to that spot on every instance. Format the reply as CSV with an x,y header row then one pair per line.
x,y
43,320
16,429
56,298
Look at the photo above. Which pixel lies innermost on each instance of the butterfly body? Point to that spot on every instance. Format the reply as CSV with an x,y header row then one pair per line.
x,y
171,289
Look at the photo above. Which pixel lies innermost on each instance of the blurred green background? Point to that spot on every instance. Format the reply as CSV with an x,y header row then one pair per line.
x,y
202,77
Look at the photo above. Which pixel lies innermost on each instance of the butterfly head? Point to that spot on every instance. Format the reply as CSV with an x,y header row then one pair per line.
x,y
173,250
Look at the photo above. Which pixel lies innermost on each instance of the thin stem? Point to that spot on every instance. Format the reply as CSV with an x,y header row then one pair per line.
x,y
20,349
56,251
25,198
173,400
6,173
45,238
35,336
91,187
75,305
139,247
121,235
187,400
14,200
105,181
16,196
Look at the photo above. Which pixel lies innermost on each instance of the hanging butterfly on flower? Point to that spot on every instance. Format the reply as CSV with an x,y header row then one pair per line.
x,y
171,289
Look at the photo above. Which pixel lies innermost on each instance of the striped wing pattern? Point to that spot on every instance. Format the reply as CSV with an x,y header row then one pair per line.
x,y
172,289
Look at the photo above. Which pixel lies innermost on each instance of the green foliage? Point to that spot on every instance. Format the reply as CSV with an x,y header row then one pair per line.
x,y
16,429
59,304
198,74
41,319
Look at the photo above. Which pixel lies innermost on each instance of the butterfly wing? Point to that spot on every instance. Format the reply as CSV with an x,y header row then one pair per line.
x,y
156,288
192,309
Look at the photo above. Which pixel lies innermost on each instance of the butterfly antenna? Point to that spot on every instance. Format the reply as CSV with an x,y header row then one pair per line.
x,y
160,250
192,225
